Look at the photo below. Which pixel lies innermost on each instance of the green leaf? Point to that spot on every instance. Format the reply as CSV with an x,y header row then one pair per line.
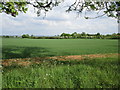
x,y
118,9
26,9
1,5
16,13
12,10
105,11
92,7
0,11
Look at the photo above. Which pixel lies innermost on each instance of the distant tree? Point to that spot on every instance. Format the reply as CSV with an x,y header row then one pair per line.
x,y
63,35
118,33
16,36
74,35
98,35
108,35
32,36
7,36
78,35
114,34
83,34
25,36
67,35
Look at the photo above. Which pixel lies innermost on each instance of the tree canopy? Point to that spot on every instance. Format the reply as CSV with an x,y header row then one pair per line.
x,y
109,8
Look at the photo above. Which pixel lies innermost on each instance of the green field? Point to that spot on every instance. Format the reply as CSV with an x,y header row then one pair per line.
x,y
100,72
22,48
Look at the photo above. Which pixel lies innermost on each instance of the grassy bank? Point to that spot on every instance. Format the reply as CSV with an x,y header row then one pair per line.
x,y
87,73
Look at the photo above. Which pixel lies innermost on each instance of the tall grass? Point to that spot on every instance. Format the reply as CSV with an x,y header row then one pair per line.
x,y
88,73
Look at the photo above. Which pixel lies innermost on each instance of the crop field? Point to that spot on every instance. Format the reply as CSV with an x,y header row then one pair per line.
x,y
60,63
24,48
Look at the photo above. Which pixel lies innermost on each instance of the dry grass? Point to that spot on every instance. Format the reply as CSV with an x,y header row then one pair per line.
x,y
37,60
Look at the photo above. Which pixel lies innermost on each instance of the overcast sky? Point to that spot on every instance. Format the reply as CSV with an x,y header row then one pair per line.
x,y
56,22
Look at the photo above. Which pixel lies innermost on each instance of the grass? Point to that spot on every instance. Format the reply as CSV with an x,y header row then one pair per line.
x,y
88,73
22,48
99,72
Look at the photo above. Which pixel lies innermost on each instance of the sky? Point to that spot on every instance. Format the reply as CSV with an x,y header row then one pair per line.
x,y
56,22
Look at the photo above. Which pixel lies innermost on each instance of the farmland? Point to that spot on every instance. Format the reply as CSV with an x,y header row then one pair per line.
x,y
97,67
23,48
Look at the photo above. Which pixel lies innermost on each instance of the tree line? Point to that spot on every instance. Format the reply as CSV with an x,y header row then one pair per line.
x,y
84,35
74,35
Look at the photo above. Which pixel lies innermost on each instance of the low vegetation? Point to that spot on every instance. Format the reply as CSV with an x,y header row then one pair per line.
x,y
60,63
87,73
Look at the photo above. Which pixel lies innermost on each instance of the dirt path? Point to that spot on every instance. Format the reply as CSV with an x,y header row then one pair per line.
x,y
37,60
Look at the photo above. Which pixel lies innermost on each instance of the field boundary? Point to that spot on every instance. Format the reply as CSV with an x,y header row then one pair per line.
x,y
37,60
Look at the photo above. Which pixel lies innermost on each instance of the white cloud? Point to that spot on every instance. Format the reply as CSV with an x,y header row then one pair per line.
x,y
56,22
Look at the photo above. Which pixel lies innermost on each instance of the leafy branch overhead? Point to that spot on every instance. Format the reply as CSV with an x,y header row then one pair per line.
x,y
111,9
14,8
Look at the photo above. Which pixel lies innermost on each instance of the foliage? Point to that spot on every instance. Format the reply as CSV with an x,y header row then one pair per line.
x,y
13,7
25,36
84,35
111,9
74,35
89,73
